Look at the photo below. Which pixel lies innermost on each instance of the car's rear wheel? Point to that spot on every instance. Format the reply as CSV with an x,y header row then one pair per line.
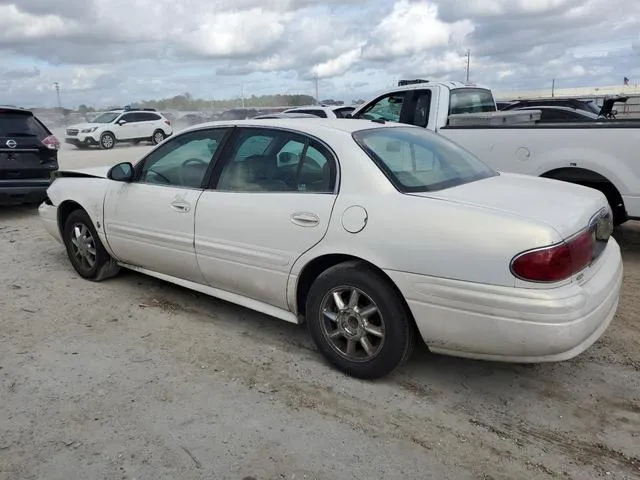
x,y
85,250
107,141
358,321
158,137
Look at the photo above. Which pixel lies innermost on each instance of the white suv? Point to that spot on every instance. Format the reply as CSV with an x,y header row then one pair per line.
x,y
121,125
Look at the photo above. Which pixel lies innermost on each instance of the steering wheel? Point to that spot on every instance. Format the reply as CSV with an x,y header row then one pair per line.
x,y
189,161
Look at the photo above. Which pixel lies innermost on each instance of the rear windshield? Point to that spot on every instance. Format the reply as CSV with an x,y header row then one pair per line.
x,y
21,124
417,160
471,100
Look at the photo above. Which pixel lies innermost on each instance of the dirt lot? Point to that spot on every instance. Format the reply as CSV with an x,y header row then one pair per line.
x,y
136,378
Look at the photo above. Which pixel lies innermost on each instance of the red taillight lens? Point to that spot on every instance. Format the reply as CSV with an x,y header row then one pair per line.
x,y
557,262
167,122
51,142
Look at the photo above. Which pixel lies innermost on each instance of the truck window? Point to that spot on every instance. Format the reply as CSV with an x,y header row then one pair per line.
x,y
387,108
422,102
417,160
471,100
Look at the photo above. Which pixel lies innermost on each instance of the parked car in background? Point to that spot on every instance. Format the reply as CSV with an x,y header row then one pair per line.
x,y
575,103
600,155
286,115
371,232
333,111
555,114
28,156
120,125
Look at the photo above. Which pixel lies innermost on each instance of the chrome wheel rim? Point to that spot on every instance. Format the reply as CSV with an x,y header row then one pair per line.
x,y
107,141
158,137
83,245
352,323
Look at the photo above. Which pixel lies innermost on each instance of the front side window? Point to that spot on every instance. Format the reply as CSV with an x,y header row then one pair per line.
x,y
471,100
387,108
416,160
183,161
264,160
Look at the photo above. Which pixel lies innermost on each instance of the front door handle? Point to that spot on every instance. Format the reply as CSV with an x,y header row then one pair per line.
x,y
304,219
181,207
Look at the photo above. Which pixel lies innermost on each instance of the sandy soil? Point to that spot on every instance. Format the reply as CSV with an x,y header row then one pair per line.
x,y
136,378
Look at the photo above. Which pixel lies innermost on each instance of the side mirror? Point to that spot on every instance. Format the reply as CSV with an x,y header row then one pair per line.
x,y
121,122
122,172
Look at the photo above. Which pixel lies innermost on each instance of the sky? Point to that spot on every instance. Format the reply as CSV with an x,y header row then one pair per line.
x,y
110,52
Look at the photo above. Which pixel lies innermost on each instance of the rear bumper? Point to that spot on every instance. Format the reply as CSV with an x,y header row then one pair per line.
x,y
28,191
514,324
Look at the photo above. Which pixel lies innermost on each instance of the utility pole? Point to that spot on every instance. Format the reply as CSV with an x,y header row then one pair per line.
x,y
243,95
315,78
468,63
553,88
57,87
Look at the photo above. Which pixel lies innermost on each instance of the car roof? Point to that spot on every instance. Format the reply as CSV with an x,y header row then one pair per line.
x,y
311,126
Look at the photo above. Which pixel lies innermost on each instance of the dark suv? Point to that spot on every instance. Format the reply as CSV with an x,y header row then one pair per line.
x,y
28,156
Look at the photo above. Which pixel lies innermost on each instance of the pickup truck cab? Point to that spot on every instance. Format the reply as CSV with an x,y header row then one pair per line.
x,y
600,155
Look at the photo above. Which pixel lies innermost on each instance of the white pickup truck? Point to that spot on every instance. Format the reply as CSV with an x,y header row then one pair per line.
x,y
603,155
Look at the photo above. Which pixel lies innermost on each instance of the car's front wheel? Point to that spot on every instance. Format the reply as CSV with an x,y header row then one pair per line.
x,y
358,321
107,141
86,252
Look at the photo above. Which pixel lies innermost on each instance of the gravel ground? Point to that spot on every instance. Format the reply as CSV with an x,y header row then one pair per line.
x,y
137,378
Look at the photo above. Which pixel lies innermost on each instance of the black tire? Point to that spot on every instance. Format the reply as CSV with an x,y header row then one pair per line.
x,y
107,141
393,320
157,137
103,266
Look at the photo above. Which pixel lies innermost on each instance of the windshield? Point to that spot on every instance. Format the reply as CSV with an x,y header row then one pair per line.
x,y
106,117
417,160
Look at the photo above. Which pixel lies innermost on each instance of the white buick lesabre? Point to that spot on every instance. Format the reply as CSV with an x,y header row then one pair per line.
x,y
370,232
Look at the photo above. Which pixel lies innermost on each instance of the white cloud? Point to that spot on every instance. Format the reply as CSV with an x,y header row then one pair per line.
x,y
120,51
412,28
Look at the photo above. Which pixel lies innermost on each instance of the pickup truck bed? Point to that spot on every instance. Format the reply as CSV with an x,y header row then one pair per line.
x,y
600,155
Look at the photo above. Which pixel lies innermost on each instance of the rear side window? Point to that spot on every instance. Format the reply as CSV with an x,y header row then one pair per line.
x,y
471,100
416,160
21,124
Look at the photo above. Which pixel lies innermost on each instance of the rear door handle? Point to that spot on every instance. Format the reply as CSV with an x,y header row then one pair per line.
x,y
305,219
181,207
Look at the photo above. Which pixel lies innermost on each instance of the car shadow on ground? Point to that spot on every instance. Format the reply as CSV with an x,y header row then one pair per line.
x,y
11,213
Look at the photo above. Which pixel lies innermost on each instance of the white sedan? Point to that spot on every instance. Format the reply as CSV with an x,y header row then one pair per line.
x,y
370,232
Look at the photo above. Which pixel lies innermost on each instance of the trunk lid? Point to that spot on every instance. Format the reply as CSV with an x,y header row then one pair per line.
x,y
566,207
22,153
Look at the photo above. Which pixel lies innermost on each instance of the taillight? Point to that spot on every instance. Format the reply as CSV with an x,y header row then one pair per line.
x,y
167,122
51,142
557,262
